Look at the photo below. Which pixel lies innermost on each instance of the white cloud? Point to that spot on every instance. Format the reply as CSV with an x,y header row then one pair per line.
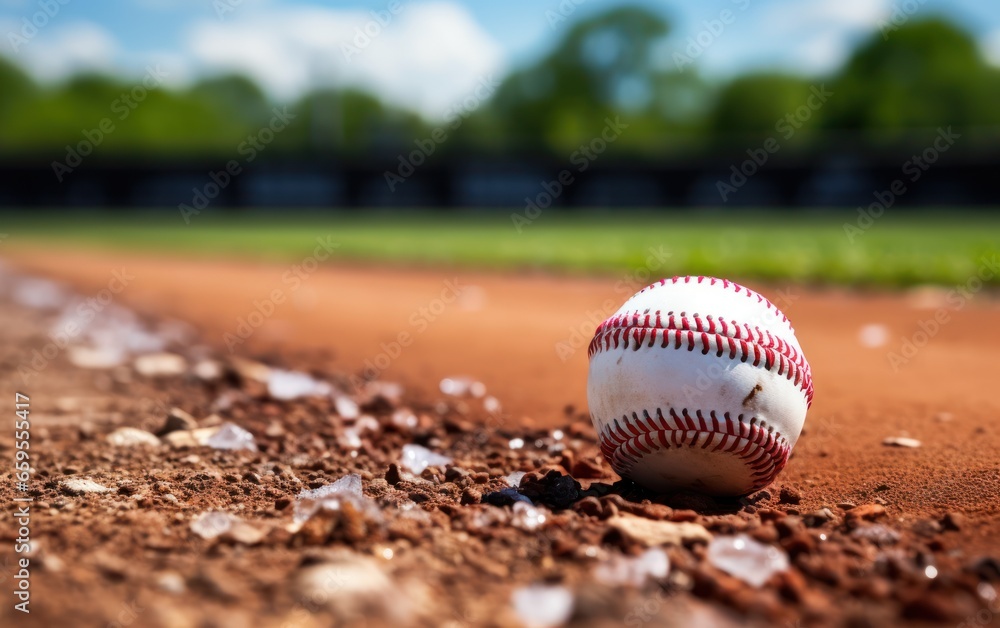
x,y
427,57
61,50
832,14
991,47
818,36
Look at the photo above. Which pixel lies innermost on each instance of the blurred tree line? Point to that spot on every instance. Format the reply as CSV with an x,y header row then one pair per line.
x,y
925,74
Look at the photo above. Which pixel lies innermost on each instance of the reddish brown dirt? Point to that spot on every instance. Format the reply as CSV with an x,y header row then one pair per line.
x,y
508,331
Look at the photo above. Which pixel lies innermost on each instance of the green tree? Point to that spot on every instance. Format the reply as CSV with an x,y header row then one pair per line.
x,y
604,66
16,92
350,121
753,104
924,74
233,95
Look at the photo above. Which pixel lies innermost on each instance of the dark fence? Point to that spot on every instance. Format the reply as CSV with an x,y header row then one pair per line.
x,y
752,180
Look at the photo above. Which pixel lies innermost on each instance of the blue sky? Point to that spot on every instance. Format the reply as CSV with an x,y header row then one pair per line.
x,y
431,53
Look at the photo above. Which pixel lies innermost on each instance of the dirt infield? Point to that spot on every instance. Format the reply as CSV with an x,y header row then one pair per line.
x,y
525,337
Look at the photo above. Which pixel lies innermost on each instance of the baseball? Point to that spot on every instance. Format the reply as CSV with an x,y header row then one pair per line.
x,y
700,383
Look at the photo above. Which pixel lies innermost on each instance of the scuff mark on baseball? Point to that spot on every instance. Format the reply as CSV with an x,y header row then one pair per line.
x,y
698,382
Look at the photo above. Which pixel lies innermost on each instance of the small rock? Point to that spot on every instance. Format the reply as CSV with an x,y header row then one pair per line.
x,y
873,335
332,497
554,489
789,495
462,386
250,370
910,443
190,438
788,526
212,524
471,496
878,534
620,570
288,385
245,533
868,512
95,357
744,558
207,370
514,479
542,606
160,365
927,528
177,420
346,408
392,475
651,533
528,517
232,437
132,437
954,521
416,458
505,497
819,517
171,582
79,486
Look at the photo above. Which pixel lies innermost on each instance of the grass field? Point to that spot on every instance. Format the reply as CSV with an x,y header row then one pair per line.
x,y
897,250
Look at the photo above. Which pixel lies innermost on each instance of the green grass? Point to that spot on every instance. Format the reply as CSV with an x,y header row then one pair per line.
x,y
899,249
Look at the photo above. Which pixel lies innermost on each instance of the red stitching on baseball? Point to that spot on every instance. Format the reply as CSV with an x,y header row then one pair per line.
x,y
714,333
726,284
762,449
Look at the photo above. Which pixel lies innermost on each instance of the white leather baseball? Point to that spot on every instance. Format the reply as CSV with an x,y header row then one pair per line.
x,y
698,383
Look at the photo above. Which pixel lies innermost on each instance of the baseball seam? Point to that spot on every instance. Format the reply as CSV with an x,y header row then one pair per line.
x,y
623,443
726,284
776,356
711,324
